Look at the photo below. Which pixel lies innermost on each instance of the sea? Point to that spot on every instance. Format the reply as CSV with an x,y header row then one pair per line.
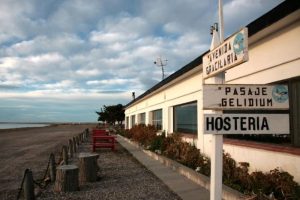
x,y
20,125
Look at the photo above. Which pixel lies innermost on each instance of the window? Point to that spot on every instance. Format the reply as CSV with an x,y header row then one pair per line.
x,y
286,140
132,120
185,118
127,122
142,118
157,119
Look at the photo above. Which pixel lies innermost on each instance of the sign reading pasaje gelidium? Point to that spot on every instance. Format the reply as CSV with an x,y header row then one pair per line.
x,y
231,52
246,123
240,97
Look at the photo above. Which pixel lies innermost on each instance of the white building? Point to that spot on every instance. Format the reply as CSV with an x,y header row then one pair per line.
x,y
175,105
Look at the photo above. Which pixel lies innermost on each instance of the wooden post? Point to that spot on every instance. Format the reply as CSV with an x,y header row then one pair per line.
x,y
52,167
65,154
74,144
81,138
28,186
71,148
66,178
77,140
88,167
86,134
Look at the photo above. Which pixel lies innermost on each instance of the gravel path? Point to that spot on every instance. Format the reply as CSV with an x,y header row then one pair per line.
x,y
120,177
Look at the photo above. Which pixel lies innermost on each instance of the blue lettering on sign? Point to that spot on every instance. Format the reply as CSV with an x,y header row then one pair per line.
x,y
280,93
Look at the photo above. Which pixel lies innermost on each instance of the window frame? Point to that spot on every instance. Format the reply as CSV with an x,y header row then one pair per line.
x,y
156,121
133,121
140,118
174,119
127,122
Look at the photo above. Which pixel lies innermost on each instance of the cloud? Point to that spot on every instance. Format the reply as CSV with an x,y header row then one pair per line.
x,y
13,18
66,44
8,86
245,11
77,55
59,85
88,72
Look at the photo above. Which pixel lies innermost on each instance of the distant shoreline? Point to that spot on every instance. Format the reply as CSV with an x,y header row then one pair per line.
x,y
5,126
24,125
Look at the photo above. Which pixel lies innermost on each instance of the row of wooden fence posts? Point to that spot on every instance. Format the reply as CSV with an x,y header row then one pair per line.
x,y
28,181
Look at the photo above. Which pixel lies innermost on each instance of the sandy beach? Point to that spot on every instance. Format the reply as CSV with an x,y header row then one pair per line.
x,y
29,148
120,175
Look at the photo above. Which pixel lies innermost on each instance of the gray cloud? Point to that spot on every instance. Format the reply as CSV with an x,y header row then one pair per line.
x,y
102,49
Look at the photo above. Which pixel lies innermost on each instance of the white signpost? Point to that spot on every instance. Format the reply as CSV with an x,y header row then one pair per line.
x,y
230,53
240,97
246,124
224,55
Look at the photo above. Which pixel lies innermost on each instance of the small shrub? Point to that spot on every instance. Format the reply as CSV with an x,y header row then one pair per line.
x,y
204,165
260,183
127,133
285,186
235,175
120,131
185,153
189,155
171,146
156,143
143,134
229,166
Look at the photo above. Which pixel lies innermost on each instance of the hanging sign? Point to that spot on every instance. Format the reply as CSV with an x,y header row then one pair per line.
x,y
233,51
239,97
246,124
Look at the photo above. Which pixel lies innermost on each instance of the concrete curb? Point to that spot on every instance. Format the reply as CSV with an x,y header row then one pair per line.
x,y
200,179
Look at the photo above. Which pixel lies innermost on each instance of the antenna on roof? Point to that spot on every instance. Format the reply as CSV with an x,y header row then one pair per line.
x,y
161,63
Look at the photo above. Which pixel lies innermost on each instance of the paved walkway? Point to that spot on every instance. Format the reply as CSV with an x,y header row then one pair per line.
x,y
178,183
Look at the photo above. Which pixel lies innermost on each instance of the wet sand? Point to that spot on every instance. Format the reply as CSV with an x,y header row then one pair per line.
x,y
30,148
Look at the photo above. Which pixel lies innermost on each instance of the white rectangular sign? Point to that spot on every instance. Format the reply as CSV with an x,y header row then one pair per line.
x,y
246,124
231,52
238,97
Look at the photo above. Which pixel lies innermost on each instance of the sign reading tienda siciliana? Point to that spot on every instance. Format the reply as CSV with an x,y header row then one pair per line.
x,y
240,97
233,51
246,123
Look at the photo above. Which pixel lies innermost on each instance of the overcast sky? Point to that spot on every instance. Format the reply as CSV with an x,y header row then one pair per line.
x,y
61,60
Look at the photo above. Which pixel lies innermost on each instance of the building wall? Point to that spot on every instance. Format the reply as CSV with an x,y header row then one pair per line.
x,y
273,56
265,160
186,90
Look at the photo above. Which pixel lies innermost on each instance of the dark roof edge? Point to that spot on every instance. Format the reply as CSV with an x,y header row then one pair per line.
x,y
274,15
183,70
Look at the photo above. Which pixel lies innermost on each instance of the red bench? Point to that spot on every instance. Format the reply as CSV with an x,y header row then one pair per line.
x,y
99,132
103,141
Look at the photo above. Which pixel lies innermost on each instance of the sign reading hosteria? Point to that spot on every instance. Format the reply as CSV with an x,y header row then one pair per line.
x,y
230,53
238,97
246,123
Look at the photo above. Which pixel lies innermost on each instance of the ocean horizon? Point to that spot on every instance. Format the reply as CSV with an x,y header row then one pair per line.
x,y
12,125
